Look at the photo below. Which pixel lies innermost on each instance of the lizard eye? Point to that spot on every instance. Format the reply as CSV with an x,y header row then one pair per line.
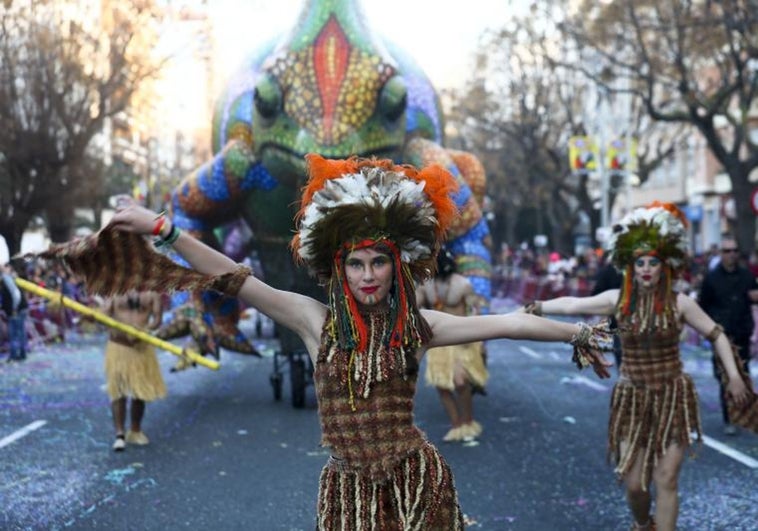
x,y
267,97
393,99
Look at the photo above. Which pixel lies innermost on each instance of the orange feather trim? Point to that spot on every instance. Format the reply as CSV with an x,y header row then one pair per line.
x,y
439,186
672,209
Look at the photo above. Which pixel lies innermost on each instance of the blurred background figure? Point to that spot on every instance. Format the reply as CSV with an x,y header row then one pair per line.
x,y
454,370
14,306
728,292
131,367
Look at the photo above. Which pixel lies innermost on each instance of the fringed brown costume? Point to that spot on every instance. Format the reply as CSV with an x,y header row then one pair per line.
x,y
113,262
747,416
383,474
654,404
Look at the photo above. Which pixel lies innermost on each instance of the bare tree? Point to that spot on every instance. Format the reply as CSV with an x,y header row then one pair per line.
x,y
688,62
63,72
517,114
523,103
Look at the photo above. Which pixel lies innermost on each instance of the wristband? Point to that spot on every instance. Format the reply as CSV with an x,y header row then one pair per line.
x,y
173,235
534,308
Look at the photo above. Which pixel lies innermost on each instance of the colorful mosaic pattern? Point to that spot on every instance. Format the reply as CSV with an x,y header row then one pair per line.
x,y
330,86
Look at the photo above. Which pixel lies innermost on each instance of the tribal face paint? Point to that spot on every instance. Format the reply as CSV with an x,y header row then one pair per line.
x,y
369,275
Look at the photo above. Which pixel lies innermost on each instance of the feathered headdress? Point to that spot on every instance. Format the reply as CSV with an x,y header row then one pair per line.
x,y
352,200
659,229
656,230
357,203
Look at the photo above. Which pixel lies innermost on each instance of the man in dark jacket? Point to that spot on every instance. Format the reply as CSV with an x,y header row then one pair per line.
x,y
727,292
608,277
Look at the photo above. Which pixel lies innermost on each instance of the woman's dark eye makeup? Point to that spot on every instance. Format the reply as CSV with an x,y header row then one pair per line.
x,y
378,261
653,262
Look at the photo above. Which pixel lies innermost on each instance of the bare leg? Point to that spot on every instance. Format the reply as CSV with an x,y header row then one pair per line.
x,y
137,412
118,409
463,390
451,406
466,403
639,500
666,478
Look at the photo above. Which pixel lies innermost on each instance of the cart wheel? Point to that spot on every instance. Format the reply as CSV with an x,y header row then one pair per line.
x,y
276,383
297,381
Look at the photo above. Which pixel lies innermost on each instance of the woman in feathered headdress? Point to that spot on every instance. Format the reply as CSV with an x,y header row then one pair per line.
x,y
368,230
654,406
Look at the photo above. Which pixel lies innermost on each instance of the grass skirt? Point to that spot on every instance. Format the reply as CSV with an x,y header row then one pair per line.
x,y
133,371
441,362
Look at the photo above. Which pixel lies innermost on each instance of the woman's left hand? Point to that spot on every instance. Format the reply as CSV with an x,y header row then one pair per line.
x,y
738,391
131,217
600,365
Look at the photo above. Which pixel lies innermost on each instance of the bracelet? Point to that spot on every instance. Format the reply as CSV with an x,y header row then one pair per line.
x,y
715,333
589,338
581,343
173,235
159,225
170,238
231,283
534,308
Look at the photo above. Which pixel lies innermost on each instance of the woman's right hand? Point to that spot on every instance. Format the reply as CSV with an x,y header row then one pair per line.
x,y
131,217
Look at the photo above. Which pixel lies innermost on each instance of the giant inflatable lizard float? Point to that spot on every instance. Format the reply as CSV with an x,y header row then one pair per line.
x,y
330,86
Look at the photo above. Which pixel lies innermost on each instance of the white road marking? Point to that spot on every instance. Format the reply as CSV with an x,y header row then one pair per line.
x,y
730,452
583,380
26,430
530,352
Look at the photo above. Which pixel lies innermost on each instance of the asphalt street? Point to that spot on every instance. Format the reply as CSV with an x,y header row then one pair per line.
x,y
225,455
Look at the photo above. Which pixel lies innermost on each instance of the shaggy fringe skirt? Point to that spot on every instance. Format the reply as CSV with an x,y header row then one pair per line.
x,y
133,371
441,362
650,419
417,495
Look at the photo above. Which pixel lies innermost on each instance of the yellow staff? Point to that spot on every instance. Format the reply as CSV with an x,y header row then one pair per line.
x,y
127,329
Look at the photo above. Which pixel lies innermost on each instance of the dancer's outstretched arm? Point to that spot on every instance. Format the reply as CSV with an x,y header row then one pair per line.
x,y
600,304
452,330
301,314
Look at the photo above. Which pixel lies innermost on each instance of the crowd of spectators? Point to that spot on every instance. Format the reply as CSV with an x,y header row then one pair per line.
x,y
520,274
524,274
46,321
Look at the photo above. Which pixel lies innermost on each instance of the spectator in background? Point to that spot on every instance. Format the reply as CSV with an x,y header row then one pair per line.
x,y
713,257
727,294
608,277
14,306
752,263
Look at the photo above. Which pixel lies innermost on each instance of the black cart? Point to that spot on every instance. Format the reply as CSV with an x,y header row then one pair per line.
x,y
300,371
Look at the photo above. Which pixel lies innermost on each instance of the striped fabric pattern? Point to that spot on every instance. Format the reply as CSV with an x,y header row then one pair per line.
x,y
114,262
654,404
383,473
746,416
